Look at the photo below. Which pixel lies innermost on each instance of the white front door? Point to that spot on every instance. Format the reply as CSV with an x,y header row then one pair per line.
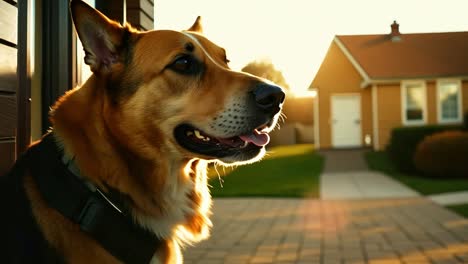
x,y
346,120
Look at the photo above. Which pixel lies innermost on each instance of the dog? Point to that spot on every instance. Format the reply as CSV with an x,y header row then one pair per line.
x,y
121,176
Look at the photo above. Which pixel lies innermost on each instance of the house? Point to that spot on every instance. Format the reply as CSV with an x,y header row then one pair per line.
x,y
297,126
40,59
369,84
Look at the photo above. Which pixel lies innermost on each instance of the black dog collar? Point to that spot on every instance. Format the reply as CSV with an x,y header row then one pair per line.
x,y
104,220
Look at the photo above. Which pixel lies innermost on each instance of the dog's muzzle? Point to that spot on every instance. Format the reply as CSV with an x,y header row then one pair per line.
x,y
243,139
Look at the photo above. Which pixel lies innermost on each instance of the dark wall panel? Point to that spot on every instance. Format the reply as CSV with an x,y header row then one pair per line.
x,y
8,82
7,68
7,116
139,19
140,13
7,155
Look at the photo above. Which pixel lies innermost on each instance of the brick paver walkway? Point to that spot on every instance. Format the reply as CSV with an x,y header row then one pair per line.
x,y
410,231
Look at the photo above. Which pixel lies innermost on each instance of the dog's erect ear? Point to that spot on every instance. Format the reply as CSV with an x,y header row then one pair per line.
x,y
197,26
101,37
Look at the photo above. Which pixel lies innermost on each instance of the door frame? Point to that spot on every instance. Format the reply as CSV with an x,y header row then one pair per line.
x,y
337,95
59,62
23,91
58,55
61,69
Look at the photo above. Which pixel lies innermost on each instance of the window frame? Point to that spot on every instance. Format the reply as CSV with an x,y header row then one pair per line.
x,y
440,118
404,105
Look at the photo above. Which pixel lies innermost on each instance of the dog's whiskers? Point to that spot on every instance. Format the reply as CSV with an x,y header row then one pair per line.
x,y
219,175
282,117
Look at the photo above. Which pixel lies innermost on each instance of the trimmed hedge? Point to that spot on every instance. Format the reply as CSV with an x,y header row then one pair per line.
x,y
443,155
404,141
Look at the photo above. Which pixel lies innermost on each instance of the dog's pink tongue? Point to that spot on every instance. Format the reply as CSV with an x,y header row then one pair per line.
x,y
258,138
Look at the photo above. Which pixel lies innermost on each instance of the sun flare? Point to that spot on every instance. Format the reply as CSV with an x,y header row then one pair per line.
x,y
296,35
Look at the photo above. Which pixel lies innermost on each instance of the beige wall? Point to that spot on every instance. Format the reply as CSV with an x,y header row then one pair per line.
x,y
389,111
299,110
337,75
366,114
431,97
297,126
465,96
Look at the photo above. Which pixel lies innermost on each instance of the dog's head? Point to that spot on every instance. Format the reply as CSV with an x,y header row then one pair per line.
x,y
175,89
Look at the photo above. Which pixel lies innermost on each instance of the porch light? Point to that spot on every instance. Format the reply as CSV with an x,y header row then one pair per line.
x,y
367,140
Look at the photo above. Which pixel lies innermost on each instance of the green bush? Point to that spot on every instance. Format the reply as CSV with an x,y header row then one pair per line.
x,y
404,140
443,155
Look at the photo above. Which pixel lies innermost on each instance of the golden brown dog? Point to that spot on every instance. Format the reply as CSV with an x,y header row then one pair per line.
x,y
121,178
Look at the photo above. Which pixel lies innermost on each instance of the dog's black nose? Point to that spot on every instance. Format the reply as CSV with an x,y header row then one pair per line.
x,y
268,97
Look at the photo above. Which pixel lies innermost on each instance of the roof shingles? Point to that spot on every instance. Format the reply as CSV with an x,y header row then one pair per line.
x,y
414,56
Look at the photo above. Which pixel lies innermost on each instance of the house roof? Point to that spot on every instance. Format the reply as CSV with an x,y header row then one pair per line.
x,y
413,56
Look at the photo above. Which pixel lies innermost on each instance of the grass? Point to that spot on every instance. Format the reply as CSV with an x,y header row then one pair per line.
x,y
380,161
461,209
287,171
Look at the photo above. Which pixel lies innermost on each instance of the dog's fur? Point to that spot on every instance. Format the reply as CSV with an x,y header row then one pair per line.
x,y
118,127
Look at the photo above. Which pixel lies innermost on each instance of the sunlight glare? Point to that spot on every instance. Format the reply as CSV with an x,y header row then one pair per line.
x,y
296,35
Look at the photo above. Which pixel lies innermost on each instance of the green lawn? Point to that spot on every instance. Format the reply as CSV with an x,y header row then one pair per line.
x,y
380,161
287,171
461,209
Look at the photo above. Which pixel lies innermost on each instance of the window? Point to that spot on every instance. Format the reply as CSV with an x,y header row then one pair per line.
x,y
449,101
414,102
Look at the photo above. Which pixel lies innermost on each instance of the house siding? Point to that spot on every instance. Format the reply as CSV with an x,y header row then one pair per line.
x,y
465,96
140,13
390,108
366,114
389,111
431,97
338,76
299,110
8,83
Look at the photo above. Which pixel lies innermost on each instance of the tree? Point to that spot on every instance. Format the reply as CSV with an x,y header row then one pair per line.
x,y
266,69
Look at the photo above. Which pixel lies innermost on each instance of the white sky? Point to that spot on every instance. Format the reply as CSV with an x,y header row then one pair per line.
x,y
295,34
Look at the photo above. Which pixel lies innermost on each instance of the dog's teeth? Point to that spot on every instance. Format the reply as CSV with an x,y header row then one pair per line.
x,y
245,144
198,135
189,133
206,139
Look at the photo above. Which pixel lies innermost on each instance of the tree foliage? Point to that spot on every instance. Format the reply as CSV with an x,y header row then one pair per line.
x,y
267,70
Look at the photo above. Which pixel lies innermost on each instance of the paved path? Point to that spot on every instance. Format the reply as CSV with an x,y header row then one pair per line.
x,y
362,185
344,160
351,224
403,231
450,198
346,176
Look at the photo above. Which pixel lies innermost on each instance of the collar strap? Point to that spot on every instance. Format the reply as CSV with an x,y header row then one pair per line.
x,y
103,220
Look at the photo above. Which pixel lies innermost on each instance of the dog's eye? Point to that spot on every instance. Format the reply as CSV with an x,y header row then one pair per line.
x,y
185,64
